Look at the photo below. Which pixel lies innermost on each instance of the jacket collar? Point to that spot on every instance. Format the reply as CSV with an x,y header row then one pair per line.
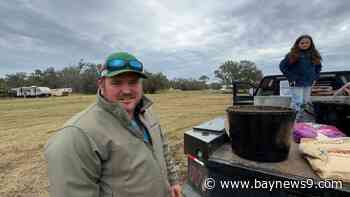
x,y
118,111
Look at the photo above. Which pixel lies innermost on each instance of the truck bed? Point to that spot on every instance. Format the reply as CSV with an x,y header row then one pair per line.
x,y
294,168
218,162
295,165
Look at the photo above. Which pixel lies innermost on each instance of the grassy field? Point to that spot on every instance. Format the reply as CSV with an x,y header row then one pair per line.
x,y
26,125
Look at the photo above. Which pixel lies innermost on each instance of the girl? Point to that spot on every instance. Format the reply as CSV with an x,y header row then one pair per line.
x,y
302,67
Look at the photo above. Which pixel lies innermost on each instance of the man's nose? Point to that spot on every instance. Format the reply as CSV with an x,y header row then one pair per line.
x,y
126,88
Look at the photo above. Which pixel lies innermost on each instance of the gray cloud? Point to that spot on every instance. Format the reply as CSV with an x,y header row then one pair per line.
x,y
179,38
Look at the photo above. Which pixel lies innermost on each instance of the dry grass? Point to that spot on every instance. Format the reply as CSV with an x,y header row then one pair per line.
x,y
26,125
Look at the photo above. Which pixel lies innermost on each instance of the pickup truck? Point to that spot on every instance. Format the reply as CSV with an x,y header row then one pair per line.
x,y
213,170
326,85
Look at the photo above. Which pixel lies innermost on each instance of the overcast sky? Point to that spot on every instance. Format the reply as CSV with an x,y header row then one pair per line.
x,y
181,38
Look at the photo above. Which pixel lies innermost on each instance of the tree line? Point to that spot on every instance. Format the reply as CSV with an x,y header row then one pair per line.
x,y
82,78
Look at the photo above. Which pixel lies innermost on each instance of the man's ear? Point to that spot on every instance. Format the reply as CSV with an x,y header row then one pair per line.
x,y
101,84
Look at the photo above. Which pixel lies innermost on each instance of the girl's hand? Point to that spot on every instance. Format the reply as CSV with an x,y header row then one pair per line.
x,y
175,190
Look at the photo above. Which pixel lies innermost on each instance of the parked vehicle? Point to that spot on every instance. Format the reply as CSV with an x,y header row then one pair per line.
x,y
270,85
32,91
61,91
213,170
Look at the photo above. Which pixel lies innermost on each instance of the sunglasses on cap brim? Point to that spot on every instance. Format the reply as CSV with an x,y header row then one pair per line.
x,y
119,64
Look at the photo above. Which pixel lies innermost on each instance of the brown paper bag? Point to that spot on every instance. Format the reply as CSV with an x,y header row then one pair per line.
x,y
329,158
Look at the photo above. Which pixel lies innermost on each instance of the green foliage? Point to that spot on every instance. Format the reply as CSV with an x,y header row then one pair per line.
x,y
69,78
3,88
16,80
215,86
81,78
155,82
87,77
242,71
36,78
188,84
50,78
204,78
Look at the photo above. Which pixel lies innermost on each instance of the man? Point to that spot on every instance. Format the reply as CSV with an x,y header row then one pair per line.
x,y
116,146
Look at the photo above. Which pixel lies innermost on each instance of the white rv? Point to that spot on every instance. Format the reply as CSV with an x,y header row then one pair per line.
x,y
32,91
61,91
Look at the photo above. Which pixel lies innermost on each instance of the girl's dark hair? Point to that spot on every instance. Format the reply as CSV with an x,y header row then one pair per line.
x,y
294,53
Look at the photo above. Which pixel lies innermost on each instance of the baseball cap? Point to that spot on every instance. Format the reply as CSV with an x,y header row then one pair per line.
x,y
121,62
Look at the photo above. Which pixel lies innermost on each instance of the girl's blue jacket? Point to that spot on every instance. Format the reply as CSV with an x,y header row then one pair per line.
x,y
303,72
